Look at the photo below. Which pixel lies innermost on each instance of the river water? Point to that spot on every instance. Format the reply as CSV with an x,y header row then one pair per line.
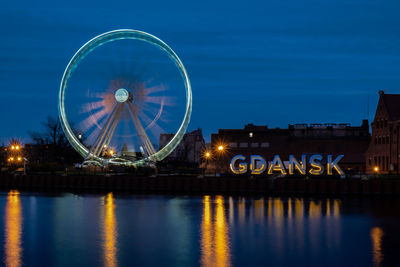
x,y
211,230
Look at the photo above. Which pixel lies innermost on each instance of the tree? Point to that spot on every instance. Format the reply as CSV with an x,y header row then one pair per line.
x,y
51,145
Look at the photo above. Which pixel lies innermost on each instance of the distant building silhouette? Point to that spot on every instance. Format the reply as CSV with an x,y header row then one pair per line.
x,y
383,153
298,139
190,149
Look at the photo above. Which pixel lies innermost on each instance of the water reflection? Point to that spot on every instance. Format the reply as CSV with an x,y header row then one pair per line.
x,y
293,224
215,247
109,232
376,236
13,230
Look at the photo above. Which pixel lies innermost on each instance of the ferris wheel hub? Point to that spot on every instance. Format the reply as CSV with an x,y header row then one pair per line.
x,y
122,95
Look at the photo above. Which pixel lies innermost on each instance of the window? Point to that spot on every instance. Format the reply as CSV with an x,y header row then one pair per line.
x,y
265,144
244,145
254,144
232,144
387,162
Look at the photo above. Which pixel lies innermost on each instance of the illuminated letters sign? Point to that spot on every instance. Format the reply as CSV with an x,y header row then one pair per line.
x,y
315,165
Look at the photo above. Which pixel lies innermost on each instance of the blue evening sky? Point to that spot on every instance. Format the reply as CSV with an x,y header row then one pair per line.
x,y
264,62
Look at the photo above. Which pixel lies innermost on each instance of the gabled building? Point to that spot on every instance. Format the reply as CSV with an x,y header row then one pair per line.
x,y
383,155
190,149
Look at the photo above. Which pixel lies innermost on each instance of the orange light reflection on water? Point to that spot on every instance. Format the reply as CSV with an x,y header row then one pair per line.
x,y
215,246
377,254
13,230
110,233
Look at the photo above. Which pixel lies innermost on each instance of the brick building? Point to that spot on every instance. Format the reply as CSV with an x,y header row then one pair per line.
x,y
383,153
298,139
190,149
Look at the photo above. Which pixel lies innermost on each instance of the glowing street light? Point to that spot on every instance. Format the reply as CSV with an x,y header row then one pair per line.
x,y
207,155
376,169
220,148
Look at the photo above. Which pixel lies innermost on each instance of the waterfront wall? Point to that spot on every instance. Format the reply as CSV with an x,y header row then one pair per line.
x,y
187,184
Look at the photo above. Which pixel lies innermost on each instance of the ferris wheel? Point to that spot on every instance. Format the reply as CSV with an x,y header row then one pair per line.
x,y
119,94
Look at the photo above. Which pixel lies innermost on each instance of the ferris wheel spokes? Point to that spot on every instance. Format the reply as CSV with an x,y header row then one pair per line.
x,y
105,135
143,137
110,133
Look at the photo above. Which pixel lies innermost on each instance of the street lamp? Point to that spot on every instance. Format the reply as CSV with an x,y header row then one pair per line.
x,y
376,170
207,157
220,151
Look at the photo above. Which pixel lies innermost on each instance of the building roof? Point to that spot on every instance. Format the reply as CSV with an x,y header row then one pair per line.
x,y
392,104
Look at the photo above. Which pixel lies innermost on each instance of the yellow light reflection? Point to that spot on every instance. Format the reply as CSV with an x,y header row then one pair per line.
x,y
215,247
376,236
242,210
13,230
110,233
221,234
315,209
206,234
298,208
328,208
259,210
336,208
299,222
279,220
289,209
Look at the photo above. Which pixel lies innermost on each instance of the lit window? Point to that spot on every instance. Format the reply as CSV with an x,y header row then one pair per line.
x,y
244,145
232,144
265,144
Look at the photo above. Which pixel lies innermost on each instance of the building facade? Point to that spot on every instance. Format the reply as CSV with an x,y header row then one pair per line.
x,y
190,149
383,153
298,139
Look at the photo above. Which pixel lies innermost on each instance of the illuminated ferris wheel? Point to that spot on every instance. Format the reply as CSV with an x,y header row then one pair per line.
x,y
119,93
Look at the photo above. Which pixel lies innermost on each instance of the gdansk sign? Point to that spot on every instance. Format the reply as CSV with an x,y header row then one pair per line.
x,y
258,165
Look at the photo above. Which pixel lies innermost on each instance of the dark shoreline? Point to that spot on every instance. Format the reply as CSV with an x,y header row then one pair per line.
x,y
299,186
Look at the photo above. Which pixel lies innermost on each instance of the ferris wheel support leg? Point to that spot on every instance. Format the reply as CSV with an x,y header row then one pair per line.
x,y
98,144
110,133
144,139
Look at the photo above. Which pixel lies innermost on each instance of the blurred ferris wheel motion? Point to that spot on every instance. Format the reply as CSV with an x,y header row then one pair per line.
x,y
119,93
